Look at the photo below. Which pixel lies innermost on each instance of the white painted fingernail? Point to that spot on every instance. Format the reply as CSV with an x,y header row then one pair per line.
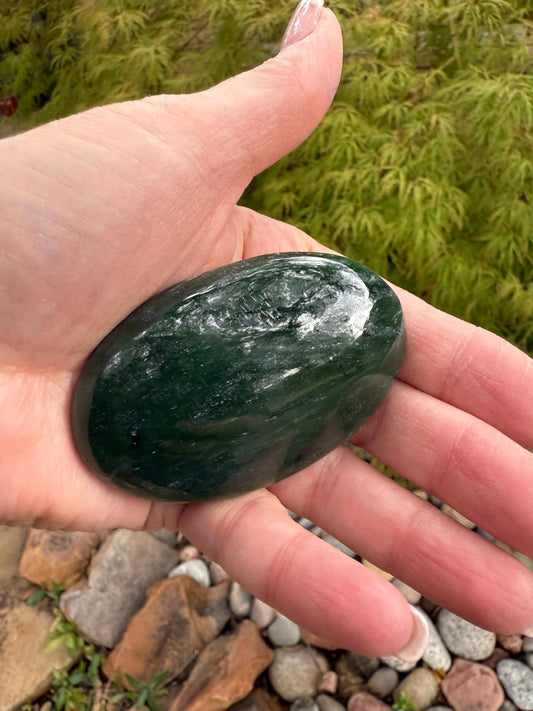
x,y
416,646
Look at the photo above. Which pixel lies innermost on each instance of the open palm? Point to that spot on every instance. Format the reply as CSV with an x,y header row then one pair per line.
x,y
100,211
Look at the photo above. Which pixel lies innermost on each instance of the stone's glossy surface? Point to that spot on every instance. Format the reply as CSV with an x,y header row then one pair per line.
x,y
239,377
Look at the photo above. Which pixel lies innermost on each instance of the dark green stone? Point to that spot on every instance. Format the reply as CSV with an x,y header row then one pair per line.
x,y
239,377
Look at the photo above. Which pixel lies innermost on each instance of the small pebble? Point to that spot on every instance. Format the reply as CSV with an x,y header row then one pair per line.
x,y
196,569
383,682
463,638
326,703
436,656
364,665
527,644
188,552
517,680
452,513
528,659
420,686
339,545
362,701
261,614
511,642
507,706
409,593
329,683
240,600
294,673
166,536
283,632
304,703
218,574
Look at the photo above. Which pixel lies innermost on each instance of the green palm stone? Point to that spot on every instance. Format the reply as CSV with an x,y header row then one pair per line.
x,y
239,377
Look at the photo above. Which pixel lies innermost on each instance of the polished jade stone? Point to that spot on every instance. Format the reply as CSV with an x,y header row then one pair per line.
x,y
239,377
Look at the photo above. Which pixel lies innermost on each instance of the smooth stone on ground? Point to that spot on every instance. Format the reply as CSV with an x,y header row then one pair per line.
x,y
217,573
25,665
329,683
470,686
527,644
240,600
436,655
383,682
463,638
56,556
261,614
12,540
326,703
511,642
339,545
351,680
225,671
295,672
283,632
362,701
180,617
507,706
409,593
363,665
517,680
420,686
120,573
304,703
195,568
258,700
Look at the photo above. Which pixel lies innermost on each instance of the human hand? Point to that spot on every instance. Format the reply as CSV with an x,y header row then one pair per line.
x,y
100,211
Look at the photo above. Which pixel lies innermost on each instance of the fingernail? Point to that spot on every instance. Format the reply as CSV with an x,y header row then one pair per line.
x,y
528,632
303,22
416,646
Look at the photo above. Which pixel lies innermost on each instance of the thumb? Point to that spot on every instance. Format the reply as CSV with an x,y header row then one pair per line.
x,y
255,118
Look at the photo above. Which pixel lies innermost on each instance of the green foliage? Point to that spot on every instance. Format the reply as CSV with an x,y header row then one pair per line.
x,y
404,703
143,692
423,167
73,690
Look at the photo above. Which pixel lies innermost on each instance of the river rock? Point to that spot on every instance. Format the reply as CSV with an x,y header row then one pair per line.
x,y
469,686
180,617
366,702
119,576
240,600
383,682
436,655
326,703
225,671
351,680
398,664
420,686
329,683
283,632
511,642
56,556
517,680
258,700
294,672
409,593
261,614
25,665
304,703
12,541
195,568
463,638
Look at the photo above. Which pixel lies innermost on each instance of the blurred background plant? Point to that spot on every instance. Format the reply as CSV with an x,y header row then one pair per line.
x,y
423,167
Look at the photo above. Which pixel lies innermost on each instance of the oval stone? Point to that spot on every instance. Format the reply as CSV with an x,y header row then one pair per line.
x,y
238,377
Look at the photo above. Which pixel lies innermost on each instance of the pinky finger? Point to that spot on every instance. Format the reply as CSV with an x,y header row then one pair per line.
x,y
304,577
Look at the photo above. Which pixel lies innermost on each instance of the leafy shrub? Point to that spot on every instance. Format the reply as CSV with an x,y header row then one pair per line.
x,y
423,167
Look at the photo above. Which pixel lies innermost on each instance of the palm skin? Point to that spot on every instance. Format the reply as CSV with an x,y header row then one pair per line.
x,y
102,210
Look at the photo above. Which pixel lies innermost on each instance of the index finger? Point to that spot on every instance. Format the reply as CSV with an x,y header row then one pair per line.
x,y
468,367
